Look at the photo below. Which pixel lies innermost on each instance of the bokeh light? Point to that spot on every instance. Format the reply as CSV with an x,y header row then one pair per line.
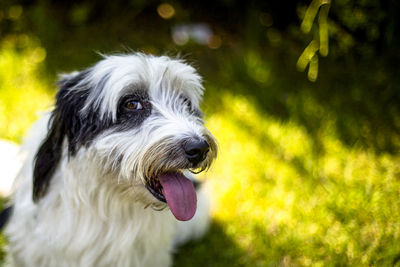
x,y
266,19
15,12
214,42
166,11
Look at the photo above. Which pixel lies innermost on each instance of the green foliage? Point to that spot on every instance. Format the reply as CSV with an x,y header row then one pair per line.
x,y
307,173
309,57
22,93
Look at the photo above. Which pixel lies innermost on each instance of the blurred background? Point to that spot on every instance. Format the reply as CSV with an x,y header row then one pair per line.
x,y
302,96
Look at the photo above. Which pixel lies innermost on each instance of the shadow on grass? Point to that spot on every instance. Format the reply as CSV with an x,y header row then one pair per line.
x,y
361,106
214,249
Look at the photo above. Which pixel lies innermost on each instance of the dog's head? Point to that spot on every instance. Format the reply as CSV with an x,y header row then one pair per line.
x,y
139,115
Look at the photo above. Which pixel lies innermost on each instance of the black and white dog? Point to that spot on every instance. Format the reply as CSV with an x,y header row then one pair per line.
x,y
108,176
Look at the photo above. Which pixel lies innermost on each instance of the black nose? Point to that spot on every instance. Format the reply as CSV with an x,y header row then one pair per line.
x,y
196,151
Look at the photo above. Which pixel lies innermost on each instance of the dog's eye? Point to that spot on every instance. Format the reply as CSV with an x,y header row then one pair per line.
x,y
132,104
188,103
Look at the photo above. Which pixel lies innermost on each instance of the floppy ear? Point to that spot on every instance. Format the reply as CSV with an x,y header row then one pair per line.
x,y
47,158
62,124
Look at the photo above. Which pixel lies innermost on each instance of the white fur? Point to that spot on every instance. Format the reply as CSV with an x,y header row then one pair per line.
x,y
97,211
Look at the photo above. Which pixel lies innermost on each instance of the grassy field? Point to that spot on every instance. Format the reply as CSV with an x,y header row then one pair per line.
x,y
284,192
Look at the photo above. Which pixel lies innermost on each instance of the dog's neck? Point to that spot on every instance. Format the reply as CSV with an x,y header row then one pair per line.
x,y
97,214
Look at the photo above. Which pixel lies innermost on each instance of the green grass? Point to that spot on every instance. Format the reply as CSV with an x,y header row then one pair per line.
x,y
279,201
282,194
23,92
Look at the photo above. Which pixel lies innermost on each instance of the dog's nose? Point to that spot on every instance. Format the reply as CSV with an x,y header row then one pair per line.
x,y
196,151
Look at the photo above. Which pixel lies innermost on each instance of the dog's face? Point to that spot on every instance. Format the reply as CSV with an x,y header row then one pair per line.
x,y
139,115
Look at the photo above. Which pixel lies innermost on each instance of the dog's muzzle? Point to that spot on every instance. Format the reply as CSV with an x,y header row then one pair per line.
x,y
168,184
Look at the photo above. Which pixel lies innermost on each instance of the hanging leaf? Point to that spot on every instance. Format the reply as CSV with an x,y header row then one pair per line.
x,y
320,43
307,55
323,30
311,13
313,69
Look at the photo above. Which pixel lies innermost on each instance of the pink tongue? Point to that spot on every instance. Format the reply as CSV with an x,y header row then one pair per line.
x,y
180,195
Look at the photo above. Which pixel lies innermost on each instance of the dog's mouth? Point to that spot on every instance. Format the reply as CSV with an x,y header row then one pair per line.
x,y
177,191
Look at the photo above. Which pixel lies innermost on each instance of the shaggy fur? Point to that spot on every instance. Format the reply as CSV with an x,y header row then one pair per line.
x,y
82,197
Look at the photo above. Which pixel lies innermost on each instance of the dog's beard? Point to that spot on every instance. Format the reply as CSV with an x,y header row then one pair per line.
x,y
160,169
165,180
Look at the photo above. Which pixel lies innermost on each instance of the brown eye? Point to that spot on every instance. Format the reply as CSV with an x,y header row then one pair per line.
x,y
133,104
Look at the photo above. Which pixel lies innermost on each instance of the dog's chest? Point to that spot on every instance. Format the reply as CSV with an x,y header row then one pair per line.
x,y
142,239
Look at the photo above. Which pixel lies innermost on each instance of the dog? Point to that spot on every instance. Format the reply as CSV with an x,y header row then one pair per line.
x,y
108,178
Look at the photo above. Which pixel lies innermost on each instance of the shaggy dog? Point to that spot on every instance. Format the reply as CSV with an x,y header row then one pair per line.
x,y
108,176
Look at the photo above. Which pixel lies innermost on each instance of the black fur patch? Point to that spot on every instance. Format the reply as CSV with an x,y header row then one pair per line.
x,y
65,121
79,129
5,216
128,119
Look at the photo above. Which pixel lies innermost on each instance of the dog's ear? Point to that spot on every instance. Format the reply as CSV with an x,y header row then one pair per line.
x,y
64,122
47,158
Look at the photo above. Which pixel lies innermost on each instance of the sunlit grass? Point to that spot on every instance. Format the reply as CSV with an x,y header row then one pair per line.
x,y
22,91
285,202
280,197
